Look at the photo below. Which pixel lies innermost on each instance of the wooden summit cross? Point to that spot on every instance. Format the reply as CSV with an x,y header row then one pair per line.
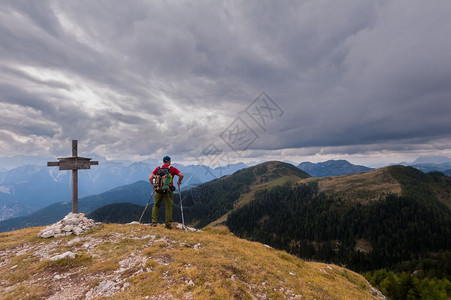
x,y
73,163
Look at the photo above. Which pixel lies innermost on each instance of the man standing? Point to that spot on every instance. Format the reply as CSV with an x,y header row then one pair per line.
x,y
162,180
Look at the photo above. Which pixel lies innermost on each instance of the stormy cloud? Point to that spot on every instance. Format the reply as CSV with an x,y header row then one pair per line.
x,y
141,79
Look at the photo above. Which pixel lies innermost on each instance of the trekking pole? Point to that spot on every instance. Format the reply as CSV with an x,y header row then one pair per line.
x,y
147,204
181,208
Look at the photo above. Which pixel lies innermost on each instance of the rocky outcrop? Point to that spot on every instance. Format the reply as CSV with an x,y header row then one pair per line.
x,y
71,224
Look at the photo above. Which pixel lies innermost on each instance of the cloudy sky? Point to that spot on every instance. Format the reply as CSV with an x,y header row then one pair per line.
x,y
367,81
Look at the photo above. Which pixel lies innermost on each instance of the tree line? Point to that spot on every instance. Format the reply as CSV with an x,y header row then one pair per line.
x,y
405,286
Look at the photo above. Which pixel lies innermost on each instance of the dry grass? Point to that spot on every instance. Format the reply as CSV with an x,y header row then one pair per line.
x,y
166,264
360,187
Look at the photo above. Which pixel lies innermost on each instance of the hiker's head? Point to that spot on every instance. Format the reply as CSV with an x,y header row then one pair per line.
x,y
167,160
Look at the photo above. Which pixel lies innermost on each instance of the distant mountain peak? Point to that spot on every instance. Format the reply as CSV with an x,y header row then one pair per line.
x,y
432,159
332,168
277,168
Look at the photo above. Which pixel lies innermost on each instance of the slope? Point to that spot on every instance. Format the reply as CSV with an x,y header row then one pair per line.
x,y
267,175
377,184
9,207
141,262
391,217
361,187
416,184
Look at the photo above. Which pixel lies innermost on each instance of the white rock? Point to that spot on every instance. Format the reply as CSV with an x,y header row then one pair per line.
x,y
105,289
68,254
70,216
74,221
120,270
77,230
180,226
46,234
191,283
68,228
76,240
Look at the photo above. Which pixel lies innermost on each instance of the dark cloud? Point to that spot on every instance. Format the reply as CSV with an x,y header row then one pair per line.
x,y
148,78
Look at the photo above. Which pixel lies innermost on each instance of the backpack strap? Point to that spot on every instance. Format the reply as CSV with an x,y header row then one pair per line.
x,y
170,167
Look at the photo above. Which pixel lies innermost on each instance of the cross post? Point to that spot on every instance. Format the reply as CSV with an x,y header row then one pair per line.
x,y
73,163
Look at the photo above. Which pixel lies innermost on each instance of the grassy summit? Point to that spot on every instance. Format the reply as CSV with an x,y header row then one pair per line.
x,y
360,187
140,262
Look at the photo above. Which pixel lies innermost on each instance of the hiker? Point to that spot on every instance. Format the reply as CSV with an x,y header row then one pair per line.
x,y
162,180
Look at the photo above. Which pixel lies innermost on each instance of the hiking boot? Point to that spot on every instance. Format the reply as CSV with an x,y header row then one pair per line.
x,y
168,226
153,224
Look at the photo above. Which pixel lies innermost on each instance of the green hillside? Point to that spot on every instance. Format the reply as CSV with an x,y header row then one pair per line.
x,y
397,180
352,220
416,184
215,200
361,187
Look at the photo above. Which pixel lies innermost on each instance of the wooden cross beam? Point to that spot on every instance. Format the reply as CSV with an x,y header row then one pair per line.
x,y
73,163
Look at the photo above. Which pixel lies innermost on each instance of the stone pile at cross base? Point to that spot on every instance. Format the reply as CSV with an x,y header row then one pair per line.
x,y
71,224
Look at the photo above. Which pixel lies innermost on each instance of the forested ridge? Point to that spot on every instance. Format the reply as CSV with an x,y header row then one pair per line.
x,y
402,233
313,225
209,201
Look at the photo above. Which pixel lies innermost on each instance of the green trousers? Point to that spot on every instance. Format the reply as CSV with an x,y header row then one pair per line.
x,y
168,203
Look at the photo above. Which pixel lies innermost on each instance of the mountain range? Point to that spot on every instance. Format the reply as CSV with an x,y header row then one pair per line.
x,y
331,168
222,194
137,193
28,188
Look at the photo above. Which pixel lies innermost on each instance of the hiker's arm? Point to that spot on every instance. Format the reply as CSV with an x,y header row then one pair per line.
x,y
151,178
180,175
